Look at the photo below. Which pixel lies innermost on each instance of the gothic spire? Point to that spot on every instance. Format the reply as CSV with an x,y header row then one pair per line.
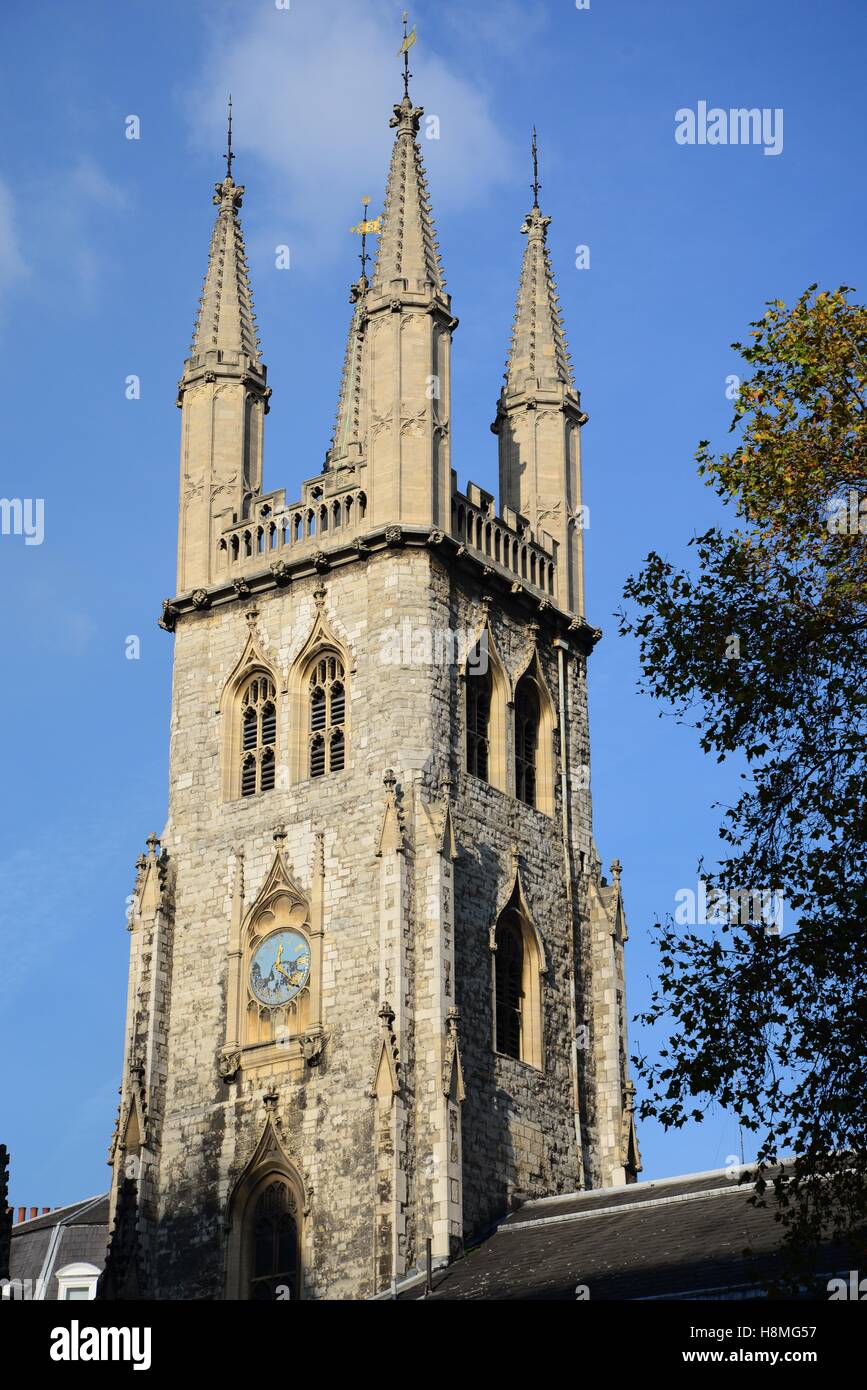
x,y
408,246
226,320
347,426
223,396
538,355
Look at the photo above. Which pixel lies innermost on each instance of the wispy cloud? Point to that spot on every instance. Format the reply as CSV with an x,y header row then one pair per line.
x,y
60,216
312,88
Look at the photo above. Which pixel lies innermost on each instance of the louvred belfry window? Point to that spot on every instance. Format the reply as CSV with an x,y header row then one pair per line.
x,y
258,736
327,716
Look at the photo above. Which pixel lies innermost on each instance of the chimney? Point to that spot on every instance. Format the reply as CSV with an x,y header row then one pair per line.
x,y
45,1211
22,1213
34,1211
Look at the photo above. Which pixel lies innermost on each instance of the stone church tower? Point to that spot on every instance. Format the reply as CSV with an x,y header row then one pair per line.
x,y
376,986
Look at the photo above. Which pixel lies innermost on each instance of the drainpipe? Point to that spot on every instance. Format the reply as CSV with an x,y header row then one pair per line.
x,y
562,652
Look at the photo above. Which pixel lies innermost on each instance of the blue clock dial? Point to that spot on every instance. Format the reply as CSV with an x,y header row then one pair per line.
x,y
280,967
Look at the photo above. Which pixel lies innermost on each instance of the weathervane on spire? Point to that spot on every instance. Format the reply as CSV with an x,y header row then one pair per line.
x,y
408,41
367,224
229,155
536,184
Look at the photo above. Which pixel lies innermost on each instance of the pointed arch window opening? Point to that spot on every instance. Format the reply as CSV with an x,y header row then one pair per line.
x,y
527,721
479,724
258,735
327,734
275,1247
518,965
509,975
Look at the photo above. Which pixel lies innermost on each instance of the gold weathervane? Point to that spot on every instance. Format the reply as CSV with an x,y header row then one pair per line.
x,y
408,41
367,225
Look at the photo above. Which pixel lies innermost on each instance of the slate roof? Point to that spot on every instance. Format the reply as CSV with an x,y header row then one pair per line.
x,y
675,1238
81,1232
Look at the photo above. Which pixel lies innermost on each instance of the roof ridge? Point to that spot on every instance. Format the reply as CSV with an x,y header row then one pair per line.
x,y
57,1212
506,1228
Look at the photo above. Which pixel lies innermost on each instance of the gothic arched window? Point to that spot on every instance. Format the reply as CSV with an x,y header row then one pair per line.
x,y
327,730
258,735
486,704
517,970
478,724
275,1244
526,741
509,974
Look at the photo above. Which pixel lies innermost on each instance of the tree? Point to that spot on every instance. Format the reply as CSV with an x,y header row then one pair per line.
x,y
761,646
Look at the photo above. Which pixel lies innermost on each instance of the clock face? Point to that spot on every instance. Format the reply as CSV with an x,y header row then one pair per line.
x,y
280,967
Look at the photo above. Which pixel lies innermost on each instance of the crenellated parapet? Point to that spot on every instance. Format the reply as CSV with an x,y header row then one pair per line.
x,y
327,515
505,542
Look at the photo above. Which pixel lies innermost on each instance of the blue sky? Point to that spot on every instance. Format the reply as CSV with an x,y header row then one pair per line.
x,y
103,244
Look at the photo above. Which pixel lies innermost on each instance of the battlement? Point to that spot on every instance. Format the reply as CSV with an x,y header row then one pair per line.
x,y
321,517
327,515
506,541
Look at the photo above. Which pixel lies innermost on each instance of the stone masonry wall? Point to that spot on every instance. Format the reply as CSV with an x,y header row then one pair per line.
x,y
518,1129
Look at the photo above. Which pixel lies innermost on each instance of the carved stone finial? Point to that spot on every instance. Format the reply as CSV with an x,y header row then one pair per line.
x,y
453,1018
616,870
388,779
269,1100
279,836
320,593
153,844
386,1014
251,615
228,195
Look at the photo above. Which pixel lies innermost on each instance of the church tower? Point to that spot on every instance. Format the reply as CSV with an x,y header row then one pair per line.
x,y
376,980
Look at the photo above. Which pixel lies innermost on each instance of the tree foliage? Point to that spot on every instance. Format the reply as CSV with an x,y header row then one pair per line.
x,y
760,645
